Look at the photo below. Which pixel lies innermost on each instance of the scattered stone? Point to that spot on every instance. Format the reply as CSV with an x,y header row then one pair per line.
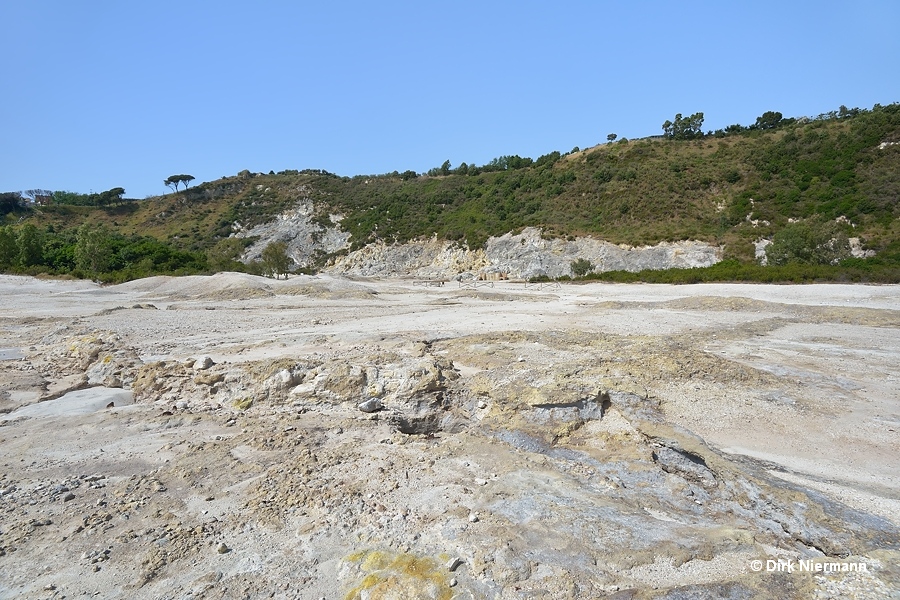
x,y
223,549
203,363
371,405
473,518
68,497
453,582
454,564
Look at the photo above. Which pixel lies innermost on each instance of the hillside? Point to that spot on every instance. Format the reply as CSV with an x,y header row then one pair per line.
x,y
835,173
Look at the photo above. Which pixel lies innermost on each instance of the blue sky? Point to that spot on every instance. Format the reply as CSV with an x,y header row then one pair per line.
x,y
102,93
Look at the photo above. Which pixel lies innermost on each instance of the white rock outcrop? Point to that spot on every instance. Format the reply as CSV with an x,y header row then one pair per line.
x,y
304,237
522,255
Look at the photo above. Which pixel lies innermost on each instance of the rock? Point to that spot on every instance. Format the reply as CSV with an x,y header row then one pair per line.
x,y
371,405
454,564
223,549
280,383
473,518
203,363
68,497
305,236
522,255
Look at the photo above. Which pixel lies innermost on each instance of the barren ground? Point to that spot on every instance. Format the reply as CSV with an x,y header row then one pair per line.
x,y
582,441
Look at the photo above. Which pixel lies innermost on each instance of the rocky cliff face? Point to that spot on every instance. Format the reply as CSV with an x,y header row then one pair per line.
x,y
305,238
530,255
523,255
425,258
516,256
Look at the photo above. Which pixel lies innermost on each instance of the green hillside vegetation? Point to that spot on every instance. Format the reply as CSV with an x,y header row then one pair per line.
x,y
791,179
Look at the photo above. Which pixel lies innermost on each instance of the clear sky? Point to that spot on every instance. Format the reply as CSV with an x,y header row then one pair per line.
x,y
104,93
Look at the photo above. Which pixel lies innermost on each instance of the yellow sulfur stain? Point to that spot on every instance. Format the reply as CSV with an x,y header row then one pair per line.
x,y
390,575
243,403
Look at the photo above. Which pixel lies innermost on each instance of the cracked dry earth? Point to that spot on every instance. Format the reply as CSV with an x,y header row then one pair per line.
x,y
203,438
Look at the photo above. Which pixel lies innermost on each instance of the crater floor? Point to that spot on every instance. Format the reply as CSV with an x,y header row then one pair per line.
x,y
202,437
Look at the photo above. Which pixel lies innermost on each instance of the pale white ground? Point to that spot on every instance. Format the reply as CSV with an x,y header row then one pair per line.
x,y
844,426
828,416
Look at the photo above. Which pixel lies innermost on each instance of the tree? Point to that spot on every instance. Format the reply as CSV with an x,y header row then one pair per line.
x,y
445,168
684,128
548,159
116,193
110,196
768,120
173,180
225,255
61,197
9,249
808,243
30,245
275,260
93,252
844,112
10,202
611,137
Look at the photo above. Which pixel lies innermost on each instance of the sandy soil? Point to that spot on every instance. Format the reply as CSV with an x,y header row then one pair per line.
x,y
180,494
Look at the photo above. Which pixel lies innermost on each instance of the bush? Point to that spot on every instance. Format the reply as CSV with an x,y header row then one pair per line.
x,y
581,267
808,243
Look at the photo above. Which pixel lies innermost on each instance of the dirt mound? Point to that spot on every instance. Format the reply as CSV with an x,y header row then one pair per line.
x,y
329,288
219,286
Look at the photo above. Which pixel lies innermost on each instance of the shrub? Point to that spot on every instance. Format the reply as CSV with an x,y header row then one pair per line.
x,y
808,243
581,267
